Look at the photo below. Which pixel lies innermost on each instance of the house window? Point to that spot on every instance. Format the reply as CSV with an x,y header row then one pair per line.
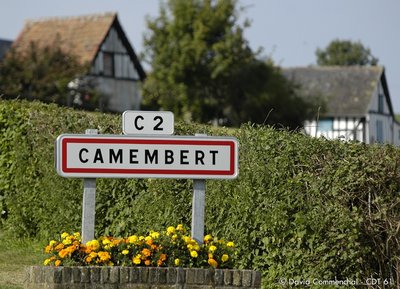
x,y
325,125
381,103
108,64
379,131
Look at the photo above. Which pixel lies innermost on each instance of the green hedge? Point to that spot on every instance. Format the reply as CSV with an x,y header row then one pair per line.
x,y
301,207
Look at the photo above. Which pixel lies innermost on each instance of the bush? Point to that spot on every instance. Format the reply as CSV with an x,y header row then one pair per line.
x,y
300,208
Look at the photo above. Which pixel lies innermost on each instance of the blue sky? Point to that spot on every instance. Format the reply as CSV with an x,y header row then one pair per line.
x,y
289,31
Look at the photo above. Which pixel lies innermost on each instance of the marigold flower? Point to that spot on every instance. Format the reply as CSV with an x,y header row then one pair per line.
x,y
64,235
59,247
147,262
194,254
48,249
155,235
63,253
177,262
230,244
106,241
52,243
207,238
146,252
104,256
213,263
57,263
137,260
212,249
180,227
125,252
170,230
93,245
133,239
225,257
46,262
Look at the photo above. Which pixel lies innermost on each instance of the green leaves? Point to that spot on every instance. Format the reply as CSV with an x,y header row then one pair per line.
x,y
301,207
345,53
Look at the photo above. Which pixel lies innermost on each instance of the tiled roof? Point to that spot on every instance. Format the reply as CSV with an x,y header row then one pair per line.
x,y
80,35
345,90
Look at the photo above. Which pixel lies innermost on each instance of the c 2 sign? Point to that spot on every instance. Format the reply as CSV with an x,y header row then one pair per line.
x,y
147,122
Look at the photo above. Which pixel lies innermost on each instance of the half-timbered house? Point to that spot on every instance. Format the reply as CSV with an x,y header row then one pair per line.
x,y
99,41
355,102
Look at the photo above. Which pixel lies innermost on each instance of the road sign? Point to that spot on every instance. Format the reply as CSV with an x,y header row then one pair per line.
x,y
148,122
118,156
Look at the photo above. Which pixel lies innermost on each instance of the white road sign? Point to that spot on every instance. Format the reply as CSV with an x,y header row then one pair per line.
x,y
117,156
148,122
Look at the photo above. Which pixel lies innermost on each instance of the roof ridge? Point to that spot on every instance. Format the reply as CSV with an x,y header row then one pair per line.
x,y
93,16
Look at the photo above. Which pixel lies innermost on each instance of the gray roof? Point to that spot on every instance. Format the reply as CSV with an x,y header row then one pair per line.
x,y
345,90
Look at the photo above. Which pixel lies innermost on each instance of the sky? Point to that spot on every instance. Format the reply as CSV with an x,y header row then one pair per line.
x,y
288,31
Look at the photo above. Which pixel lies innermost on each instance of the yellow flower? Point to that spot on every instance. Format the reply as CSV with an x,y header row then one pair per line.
x,y
224,258
174,237
93,245
133,239
170,230
46,262
194,254
106,242
57,263
230,244
137,259
77,235
67,240
180,227
207,238
64,235
52,243
212,249
212,263
155,235
125,252
177,262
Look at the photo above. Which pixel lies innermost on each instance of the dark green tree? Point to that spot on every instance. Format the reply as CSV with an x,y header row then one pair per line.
x,y
345,53
204,70
42,73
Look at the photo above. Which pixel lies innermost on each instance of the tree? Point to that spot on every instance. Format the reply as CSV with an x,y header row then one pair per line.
x,y
42,73
204,70
345,53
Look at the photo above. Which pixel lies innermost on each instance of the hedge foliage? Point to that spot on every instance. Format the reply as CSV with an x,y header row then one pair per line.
x,y
300,208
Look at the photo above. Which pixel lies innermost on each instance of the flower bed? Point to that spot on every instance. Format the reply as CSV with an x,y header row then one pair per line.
x,y
170,248
161,260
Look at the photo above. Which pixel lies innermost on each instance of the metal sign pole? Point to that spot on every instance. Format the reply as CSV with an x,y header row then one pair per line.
x,y
88,204
198,205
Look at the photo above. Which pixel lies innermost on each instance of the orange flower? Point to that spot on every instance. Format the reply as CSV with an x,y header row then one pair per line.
x,y
146,252
147,262
213,263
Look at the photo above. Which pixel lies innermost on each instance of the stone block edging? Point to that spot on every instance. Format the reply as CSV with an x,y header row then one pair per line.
x,y
48,277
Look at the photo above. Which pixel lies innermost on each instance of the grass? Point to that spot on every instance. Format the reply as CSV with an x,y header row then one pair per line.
x,y
15,256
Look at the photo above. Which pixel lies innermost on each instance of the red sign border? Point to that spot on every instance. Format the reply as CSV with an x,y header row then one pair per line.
x,y
153,172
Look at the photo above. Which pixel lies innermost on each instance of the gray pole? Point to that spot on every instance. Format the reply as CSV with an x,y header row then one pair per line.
x,y
88,204
198,205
